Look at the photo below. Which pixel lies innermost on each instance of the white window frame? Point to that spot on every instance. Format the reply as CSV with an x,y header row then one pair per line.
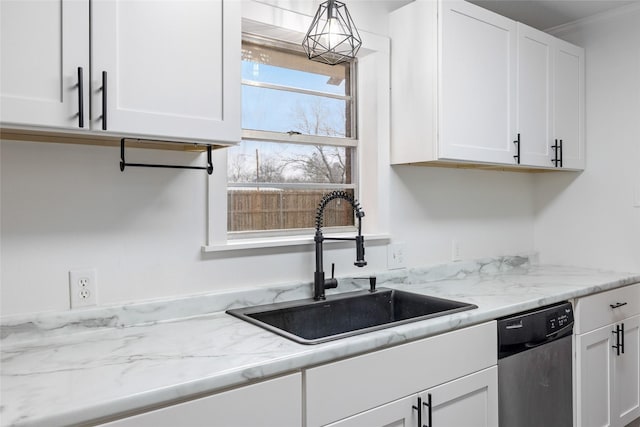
x,y
373,132
281,137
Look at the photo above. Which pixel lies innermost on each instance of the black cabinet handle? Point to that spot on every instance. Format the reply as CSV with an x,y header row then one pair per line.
x,y
555,147
429,411
560,153
618,346
622,337
80,97
616,305
104,100
419,409
517,156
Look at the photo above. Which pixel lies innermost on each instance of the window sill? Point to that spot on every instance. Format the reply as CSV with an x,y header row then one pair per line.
x,y
277,242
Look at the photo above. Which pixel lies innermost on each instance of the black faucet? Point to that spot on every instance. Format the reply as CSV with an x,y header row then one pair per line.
x,y
319,282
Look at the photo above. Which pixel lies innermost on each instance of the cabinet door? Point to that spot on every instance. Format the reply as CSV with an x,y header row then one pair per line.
x,y
172,68
626,368
594,380
568,103
477,57
276,402
467,401
535,112
400,413
42,45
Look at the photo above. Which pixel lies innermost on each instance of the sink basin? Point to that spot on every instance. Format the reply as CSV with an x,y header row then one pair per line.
x,y
353,313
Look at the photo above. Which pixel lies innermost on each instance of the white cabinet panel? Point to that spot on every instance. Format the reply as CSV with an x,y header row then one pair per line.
x,y
42,45
400,413
550,100
477,81
173,67
626,390
568,103
608,358
468,401
597,310
535,113
594,378
276,402
341,389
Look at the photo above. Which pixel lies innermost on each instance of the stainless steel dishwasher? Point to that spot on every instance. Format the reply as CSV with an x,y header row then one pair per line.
x,y
535,368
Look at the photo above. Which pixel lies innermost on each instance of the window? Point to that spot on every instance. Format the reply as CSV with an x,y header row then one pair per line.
x,y
298,120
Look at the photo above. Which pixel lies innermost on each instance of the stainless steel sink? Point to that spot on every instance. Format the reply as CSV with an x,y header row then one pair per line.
x,y
353,313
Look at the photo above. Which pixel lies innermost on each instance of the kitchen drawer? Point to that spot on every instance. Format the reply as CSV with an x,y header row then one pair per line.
x,y
595,311
275,402
341,389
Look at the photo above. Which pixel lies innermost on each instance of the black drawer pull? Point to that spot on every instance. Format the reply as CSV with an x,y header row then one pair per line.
x,y
616,305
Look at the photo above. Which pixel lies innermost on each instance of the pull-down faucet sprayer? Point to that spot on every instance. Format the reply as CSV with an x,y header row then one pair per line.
x,y
319,282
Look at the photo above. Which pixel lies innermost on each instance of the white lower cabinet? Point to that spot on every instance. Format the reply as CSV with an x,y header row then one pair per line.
x,y
276,402
382,388
626,372
608,358
400,413
468,401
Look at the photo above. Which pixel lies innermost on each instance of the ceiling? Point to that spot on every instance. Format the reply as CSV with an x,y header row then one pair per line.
x,y
540,14
545,14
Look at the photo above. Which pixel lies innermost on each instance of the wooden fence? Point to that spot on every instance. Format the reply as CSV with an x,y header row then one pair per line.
x,y
269,209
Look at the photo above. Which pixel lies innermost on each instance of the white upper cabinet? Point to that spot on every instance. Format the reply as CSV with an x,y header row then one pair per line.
x,y
172,68
535,94
43,43
477,90
468,84
550,100
568,103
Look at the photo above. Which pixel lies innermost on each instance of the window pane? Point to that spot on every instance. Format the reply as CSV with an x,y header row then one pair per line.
x,y
252,209
275,162
268,65
278,185
281,111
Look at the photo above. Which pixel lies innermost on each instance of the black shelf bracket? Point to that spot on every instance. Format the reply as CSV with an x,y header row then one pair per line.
x,y
123,162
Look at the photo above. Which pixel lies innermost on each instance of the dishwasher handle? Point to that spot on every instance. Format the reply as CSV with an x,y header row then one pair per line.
x,y
551,337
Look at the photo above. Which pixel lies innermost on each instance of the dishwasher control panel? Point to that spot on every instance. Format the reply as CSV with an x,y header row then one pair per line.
x,y
535,327
559,319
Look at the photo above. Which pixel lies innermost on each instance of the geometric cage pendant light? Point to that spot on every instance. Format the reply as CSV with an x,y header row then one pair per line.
x,y
332,37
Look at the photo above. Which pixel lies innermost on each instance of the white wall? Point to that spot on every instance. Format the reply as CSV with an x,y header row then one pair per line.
x,y
69,207
588,219
488,213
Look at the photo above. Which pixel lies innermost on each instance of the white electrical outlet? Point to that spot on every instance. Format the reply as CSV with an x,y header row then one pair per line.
x,y
455,250
83,287
395,256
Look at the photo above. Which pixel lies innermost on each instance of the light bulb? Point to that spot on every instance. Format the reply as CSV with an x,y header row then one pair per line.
x,y
334,33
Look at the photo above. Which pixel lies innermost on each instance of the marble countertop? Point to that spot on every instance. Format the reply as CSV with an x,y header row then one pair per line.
x,y
74,367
